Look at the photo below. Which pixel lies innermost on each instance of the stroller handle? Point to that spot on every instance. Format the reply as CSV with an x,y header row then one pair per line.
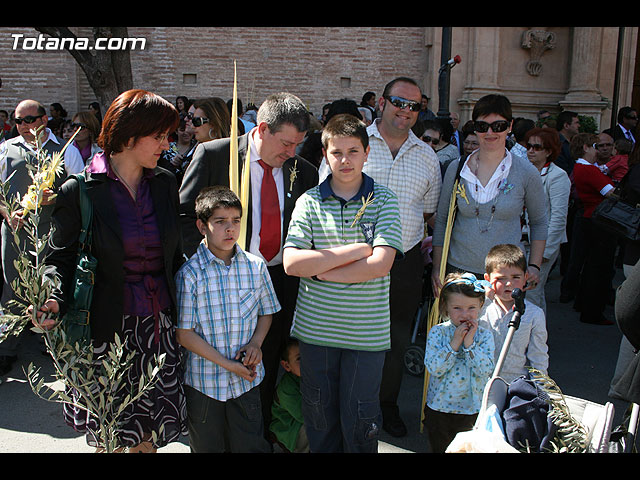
x,y
514,324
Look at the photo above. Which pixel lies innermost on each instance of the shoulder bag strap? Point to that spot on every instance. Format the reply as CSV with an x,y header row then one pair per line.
x,y
86,210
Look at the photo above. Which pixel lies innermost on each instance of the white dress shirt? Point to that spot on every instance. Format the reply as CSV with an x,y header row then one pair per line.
x,y
256,174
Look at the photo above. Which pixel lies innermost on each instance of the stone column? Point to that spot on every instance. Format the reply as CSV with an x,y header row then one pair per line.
x,y
583,95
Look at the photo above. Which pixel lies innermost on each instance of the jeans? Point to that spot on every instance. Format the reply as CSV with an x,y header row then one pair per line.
x,y
340,403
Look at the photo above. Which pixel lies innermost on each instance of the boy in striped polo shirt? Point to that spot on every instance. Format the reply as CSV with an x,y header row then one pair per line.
x,y
342,240
225,304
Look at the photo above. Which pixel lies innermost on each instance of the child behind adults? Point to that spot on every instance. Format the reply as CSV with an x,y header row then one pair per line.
x,y
342,241
506,270
225,303
618,166
459,356
287,423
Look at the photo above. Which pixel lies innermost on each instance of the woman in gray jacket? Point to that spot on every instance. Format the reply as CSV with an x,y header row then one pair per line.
x,y
495,187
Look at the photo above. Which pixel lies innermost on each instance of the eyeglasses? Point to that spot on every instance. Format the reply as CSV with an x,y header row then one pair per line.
x,y
196,121
536,147
29,119
78,125
403,103
602,145
432,141
496,127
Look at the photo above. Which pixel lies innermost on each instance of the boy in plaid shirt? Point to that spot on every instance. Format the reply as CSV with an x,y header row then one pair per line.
x,y
225,303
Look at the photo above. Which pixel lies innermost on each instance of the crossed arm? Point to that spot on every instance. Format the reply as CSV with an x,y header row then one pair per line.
x,y
354,263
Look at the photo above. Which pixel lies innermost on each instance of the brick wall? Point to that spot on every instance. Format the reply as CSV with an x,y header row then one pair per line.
x,y
317,64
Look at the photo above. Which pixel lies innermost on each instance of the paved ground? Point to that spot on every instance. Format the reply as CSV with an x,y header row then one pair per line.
x,y
582,362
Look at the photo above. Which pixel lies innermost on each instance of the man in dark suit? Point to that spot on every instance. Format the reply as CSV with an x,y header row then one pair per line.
x,y
626,127
282,123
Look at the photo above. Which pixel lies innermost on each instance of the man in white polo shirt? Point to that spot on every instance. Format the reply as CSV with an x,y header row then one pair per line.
x,y
410,168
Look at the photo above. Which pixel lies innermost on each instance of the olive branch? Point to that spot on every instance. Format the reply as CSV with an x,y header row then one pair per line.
x,y
100,384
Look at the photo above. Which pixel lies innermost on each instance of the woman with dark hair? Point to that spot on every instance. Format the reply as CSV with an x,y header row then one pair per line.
x,y
543,147
182,104
588,276
138,245
209,119
495,186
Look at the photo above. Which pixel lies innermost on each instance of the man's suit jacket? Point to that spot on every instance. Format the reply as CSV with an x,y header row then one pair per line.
x,y
210,166
616,133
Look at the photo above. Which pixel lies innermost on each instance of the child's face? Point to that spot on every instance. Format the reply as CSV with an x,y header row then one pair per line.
x,y
461,308
293,364
221,230
346,157
505,279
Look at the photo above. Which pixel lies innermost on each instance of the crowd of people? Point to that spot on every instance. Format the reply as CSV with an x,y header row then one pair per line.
x,y
285,320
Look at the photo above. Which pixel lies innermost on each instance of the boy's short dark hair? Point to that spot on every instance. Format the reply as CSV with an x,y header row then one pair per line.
x,y
505,255
291,342
345,125
214,197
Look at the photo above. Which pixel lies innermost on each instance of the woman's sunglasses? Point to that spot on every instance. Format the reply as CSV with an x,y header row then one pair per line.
x,y
432,141
496,127
29,119
403,103
536,147
196,121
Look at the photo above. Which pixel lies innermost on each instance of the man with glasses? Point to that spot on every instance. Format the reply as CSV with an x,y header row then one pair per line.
x,y
31,120
402,162
626,127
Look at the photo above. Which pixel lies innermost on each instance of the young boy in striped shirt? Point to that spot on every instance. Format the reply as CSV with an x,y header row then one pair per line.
x,y
225,303
342,240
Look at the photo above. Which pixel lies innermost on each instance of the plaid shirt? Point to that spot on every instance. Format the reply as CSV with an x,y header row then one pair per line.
x,y
413,175
222,304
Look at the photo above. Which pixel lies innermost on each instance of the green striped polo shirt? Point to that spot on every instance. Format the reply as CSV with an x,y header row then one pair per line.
x,y
344,315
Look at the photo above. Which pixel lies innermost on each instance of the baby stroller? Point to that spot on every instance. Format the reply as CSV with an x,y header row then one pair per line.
x,y
506,418
414,353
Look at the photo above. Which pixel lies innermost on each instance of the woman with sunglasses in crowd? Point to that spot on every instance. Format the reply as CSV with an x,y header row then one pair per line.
x,y
86,139
207,119
543,147
436,133
495,187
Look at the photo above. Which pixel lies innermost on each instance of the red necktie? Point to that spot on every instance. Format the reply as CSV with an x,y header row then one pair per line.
x,y
270,218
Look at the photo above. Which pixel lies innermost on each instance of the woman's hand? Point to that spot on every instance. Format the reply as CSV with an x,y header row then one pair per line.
x,y
42,321
436,284
533,278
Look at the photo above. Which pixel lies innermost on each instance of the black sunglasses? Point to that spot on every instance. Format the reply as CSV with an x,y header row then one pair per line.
x,y
431,140
75,126
496,127
29,119
403,103
536,147
196,121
